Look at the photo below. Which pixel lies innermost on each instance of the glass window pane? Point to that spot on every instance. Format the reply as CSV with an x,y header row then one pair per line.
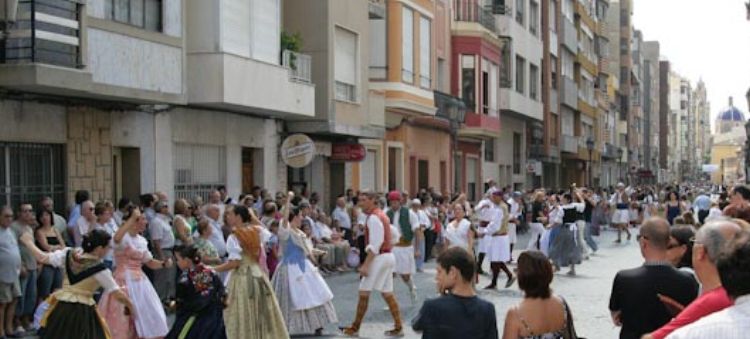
x,y
136,12
122,10
153,15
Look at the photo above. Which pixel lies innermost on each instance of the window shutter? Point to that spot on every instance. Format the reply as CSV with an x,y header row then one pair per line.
x,y
346,56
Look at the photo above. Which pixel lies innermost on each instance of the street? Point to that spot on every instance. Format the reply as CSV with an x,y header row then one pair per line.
x,y
587,293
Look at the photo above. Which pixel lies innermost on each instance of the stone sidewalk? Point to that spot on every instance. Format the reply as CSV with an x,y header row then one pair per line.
x,y
587,293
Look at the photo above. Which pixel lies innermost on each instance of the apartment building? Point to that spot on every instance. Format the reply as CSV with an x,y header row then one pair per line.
x,y
619,32
343,40
650,54
476,78
123,97
414,58
702,126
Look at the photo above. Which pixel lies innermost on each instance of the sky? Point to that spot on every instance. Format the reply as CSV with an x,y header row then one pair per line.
x,y
708,39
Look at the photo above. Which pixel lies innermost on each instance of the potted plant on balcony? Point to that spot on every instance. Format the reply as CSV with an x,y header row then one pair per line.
x,y
290,42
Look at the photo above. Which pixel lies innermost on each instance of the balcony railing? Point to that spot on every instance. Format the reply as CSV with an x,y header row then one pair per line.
x,y
500,9
47,31
299,65
570,144
472,11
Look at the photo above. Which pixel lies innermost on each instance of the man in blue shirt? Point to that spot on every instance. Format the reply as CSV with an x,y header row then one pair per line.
x,y
702,205
458,313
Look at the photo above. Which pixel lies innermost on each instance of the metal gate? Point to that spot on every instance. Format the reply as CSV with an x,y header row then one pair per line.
x,y
29,172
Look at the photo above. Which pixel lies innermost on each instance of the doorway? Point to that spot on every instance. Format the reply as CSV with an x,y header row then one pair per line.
x,y
126,173
423,173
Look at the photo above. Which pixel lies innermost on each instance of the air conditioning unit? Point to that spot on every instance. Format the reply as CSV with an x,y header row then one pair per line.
x,y
8,11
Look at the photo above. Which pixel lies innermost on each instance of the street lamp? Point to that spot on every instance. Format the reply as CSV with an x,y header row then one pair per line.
x,y
619,164
590,147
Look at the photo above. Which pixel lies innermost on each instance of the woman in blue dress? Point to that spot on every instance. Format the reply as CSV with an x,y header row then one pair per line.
x,y
674,207
304,297
199,299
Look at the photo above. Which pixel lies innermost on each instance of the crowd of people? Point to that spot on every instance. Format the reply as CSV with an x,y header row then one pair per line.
x,y
255,266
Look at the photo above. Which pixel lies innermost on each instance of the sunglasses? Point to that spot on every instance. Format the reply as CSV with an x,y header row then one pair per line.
x,y
671,246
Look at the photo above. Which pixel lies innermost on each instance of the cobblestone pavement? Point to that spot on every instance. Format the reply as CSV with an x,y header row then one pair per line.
x,y
587,293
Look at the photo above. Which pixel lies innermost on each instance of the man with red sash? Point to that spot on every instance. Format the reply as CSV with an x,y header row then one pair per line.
x,y
377,271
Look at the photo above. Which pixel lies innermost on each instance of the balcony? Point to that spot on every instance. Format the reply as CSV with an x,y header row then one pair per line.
x,y
47,32
232,82
536,151
472,11
481,125
569,35
500,8
569,144
376,9
569,91
298,64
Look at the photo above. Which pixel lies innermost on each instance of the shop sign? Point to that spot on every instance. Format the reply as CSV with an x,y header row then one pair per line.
x,y
534,167
348,152
297,150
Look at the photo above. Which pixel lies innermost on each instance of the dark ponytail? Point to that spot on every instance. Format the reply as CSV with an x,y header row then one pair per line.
x,y
243,212
95,239
189,252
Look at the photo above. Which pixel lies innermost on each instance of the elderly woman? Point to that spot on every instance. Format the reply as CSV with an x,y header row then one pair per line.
x,y
208,253
181,223
540,314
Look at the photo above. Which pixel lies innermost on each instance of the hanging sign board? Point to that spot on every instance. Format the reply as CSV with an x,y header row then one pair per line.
x,y
297,150
348,152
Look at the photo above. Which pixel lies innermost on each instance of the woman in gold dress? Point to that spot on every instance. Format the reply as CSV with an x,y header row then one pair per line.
x,y
253,311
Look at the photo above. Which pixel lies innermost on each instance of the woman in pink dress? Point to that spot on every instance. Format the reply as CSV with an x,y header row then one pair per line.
x,y
131,252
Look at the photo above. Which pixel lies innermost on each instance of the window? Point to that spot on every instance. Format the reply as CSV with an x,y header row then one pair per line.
x,y
534,17
424,53
568,10
520,68
368,171
553,69
533,81
28,172
198,170
568,68
553,16
378,49
471,177
516,153
146,14
468,86
489,150
553,130
520,8
440,74
505,64
346,65
485,91
407,45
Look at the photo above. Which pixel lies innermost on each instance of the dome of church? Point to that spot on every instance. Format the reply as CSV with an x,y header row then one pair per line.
x,y
731,113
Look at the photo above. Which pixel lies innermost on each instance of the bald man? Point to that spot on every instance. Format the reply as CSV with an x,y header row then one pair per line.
x,y
634,303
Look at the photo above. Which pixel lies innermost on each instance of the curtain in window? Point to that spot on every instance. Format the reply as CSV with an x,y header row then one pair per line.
x,y
424,52
407,46
265,17
345,56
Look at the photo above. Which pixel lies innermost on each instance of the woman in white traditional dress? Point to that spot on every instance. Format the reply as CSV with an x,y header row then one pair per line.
x,y
131,253
303,295
458,232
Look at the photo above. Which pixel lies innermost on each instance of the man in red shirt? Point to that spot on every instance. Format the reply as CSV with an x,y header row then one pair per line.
x,y
710,239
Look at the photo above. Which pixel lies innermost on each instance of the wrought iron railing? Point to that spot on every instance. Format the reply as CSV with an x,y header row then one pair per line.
x,y
299,65
47,31
472,11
